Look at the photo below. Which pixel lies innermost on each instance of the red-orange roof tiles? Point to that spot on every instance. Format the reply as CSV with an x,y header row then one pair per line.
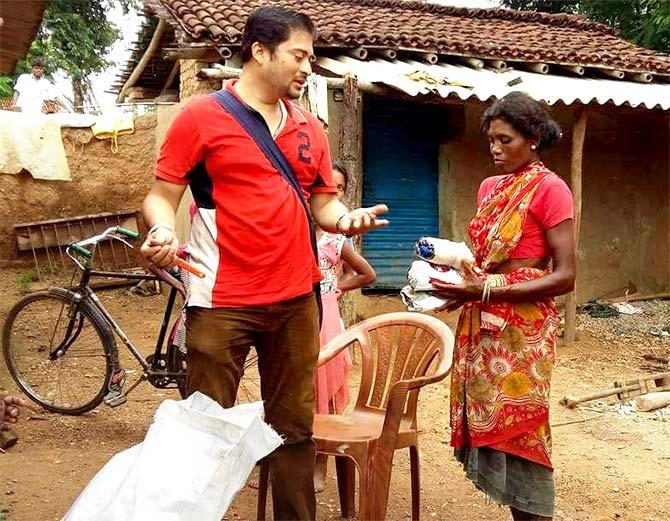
x,y
493,33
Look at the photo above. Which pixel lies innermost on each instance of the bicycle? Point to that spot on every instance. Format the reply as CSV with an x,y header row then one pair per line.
x,y
70,350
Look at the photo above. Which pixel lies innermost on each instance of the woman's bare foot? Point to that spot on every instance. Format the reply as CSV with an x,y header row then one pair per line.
x,y
320,472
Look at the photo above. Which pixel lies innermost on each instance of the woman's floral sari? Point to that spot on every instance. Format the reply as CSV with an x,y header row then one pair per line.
x,y
504,351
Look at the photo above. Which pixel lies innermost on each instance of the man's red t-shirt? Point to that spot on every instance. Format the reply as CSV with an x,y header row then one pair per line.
x,y
250,235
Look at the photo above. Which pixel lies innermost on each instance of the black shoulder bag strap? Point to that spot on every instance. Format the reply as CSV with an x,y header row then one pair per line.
x,y
256,127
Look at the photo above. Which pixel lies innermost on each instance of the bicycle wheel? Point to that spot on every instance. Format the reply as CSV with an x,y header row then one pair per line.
x,y
58,351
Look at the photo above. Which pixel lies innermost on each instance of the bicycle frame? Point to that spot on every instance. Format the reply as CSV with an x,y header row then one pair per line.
x,y
89,294
85,292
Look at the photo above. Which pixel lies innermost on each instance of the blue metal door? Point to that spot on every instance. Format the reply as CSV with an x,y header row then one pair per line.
x,y
400,168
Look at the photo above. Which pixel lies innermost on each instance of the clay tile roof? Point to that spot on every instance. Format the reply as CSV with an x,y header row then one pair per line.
x,y
20,23
487,33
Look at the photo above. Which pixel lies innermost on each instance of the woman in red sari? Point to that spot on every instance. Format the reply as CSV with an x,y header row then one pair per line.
x,y
523,240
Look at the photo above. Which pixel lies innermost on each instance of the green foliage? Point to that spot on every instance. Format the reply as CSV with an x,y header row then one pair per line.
x,y
644,22
546,6
6,86
25,278
75,37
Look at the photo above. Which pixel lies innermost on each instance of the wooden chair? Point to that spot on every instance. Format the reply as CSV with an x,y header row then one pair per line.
x,y
401,352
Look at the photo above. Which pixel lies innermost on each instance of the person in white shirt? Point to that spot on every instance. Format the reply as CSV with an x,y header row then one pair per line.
x,y
31,90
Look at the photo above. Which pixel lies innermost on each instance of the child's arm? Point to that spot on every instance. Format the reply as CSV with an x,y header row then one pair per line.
x,y
347,272
363,272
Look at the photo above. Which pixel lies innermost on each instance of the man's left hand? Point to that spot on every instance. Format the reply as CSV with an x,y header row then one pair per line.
x,y
363,220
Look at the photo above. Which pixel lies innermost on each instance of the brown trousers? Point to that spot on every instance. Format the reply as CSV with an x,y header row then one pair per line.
x,y
286,337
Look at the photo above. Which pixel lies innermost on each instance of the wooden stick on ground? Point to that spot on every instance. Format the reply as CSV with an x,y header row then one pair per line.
x,y
573,401
561,424
653,401
638,298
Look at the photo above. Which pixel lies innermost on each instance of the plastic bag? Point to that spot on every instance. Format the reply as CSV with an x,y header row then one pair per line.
x,y
194,459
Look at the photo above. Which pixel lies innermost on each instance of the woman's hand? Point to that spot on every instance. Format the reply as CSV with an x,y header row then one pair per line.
x,y
470,289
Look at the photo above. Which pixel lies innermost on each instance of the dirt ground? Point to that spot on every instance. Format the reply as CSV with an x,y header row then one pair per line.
x,y
612,463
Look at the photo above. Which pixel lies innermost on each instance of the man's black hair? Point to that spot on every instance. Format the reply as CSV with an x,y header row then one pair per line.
x,y
271,26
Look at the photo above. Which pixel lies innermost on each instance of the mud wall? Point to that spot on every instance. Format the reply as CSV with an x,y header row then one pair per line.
x,y
189,84
101,181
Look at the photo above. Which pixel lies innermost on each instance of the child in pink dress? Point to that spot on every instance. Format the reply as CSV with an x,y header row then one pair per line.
x,y
332,379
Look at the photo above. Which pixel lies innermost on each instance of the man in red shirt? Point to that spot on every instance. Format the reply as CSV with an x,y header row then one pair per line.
x,y
251,238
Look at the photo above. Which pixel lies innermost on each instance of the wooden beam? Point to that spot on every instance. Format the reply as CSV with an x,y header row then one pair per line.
x,y
574,69
223,72
611,73
475,63
642,77
578,135
498,65
146,57
429,57
192,53
358,53
539,68
224,52
386,54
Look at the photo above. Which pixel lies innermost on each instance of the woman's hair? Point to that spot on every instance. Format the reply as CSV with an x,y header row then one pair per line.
x,y
343,171
527,116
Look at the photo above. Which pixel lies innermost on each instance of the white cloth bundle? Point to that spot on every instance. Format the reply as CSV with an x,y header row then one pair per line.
x,y
440,259
444,252
420,301
420,273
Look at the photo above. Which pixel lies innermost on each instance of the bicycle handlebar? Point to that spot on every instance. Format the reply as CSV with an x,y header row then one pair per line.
x,y
131,234
115,232
81,250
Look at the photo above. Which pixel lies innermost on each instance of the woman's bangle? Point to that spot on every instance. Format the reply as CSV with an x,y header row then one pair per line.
x,y
486,291
496,280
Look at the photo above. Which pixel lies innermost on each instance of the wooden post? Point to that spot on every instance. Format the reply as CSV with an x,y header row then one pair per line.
x,y
146,58
578,134
349,154
171,78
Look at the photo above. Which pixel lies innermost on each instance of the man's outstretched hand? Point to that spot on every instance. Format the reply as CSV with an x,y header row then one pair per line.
x,y
363,220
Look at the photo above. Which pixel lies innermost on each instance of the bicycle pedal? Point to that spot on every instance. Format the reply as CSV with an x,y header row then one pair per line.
x,y
114,399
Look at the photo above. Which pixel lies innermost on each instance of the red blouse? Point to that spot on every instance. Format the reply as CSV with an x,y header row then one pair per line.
x,y
551,205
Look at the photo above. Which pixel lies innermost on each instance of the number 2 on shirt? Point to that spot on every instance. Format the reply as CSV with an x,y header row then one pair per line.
x,y
303,148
